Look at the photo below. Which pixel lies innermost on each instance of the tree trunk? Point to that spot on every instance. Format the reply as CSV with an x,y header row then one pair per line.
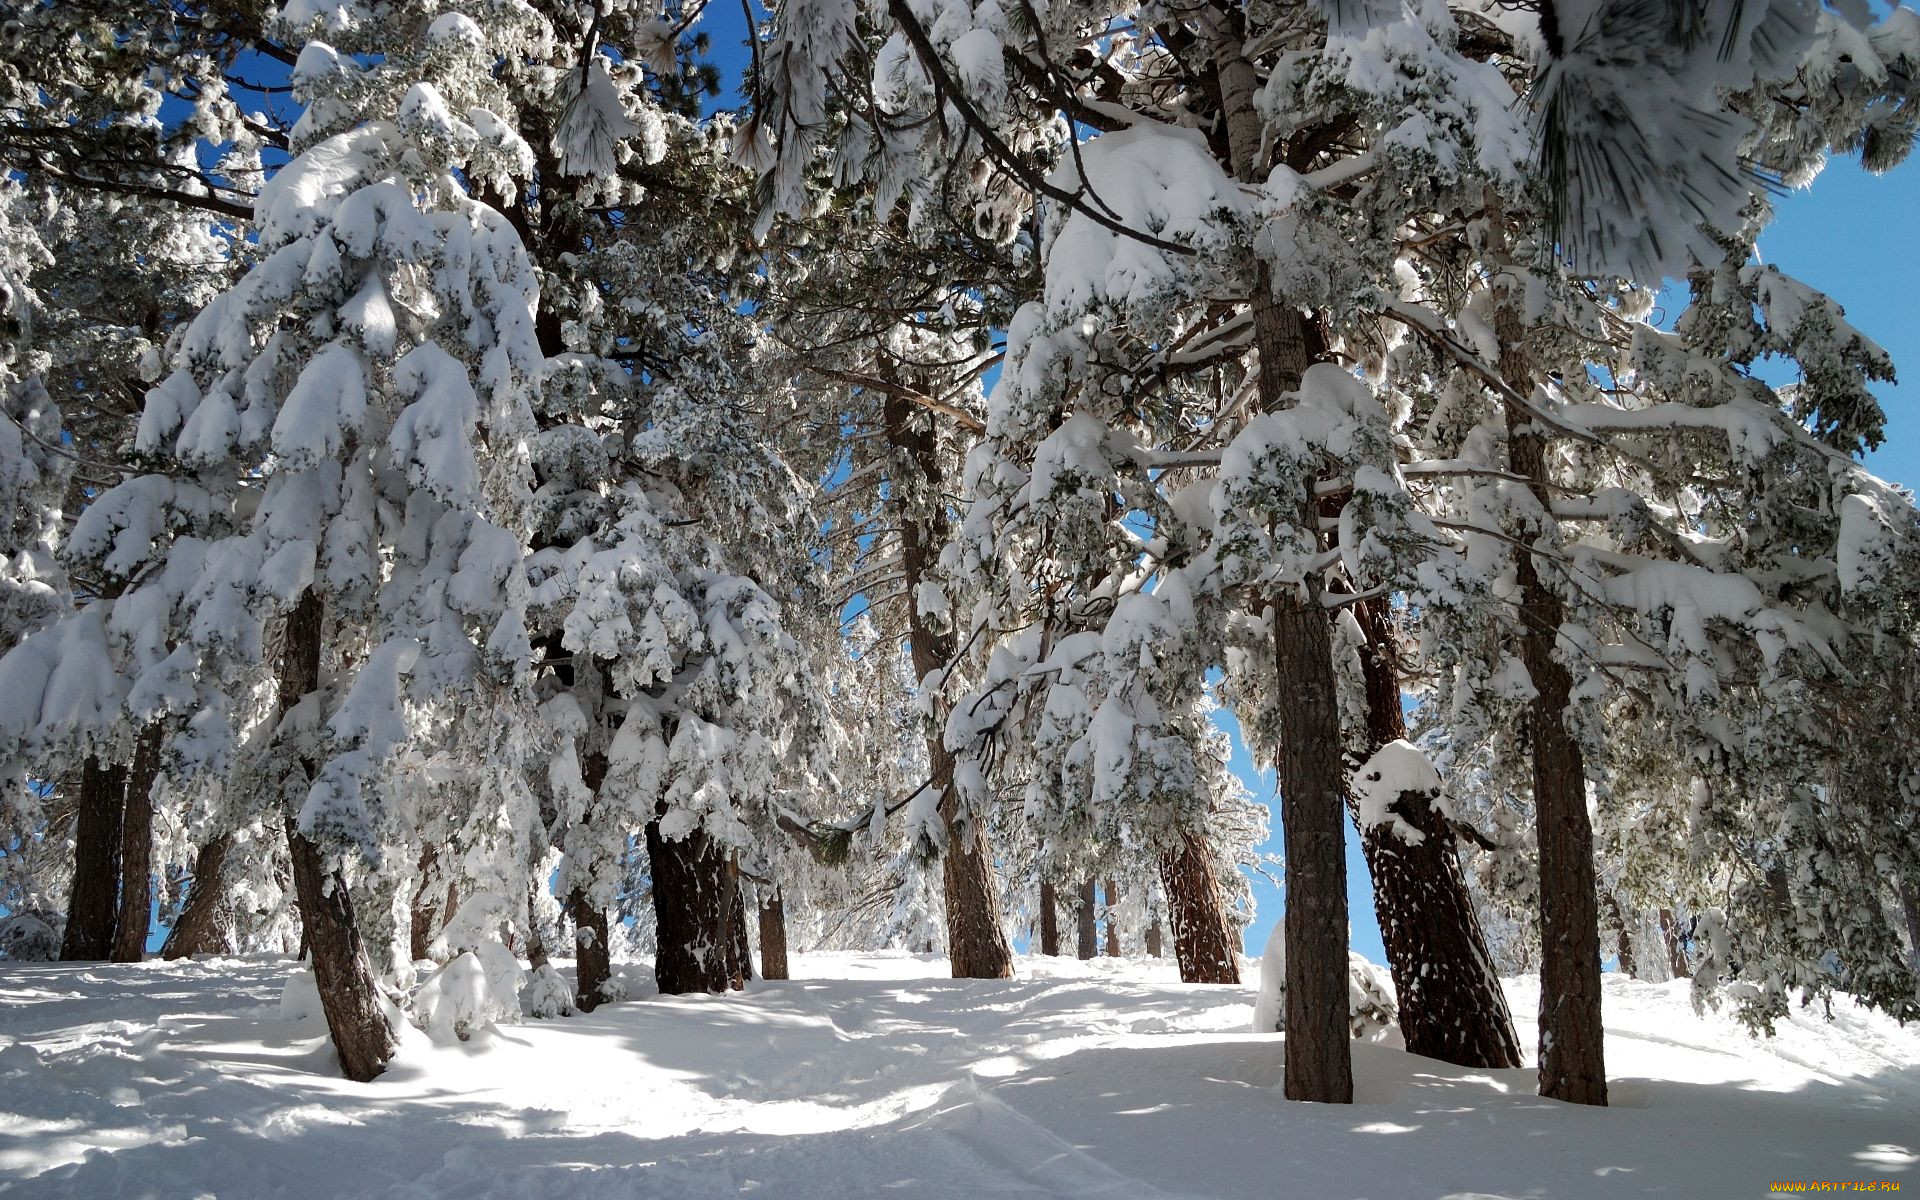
x,y
421,929
699,913
592,956
1113,922
136,849
592,951
1312,777
1153,937
977,945
94,901
773,938
1451,1004
536,944
1572,1058
350,997
1203,938
1622,937
1086,936
1049,920
1677,950
200,927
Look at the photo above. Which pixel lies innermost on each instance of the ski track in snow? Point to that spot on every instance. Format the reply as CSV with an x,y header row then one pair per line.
x,y
874,1076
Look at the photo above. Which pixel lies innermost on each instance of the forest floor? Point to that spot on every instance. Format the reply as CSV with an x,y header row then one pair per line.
x,y
873,1076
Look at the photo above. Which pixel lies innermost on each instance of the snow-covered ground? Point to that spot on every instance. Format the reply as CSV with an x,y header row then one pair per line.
x,y
873,1076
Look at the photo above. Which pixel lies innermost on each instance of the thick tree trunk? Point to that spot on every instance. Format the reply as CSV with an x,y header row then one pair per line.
x,y
349,996
1113,921
94,902
977,945
1086,942
1572,1058
699,913
201,926
773,938
1203,938
1049,920
136,849
1451,1005
592,955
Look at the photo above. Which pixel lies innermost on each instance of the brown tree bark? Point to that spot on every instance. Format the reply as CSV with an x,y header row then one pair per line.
x,y
201,925
1203,938
536,944
1113,923
1086,942
94,901
1312,779
773,938
349,995
592,956
136,849
1622,936
1451,1005
1153,937
426,902
700,915
1572,1058
977,945
592,952
1677,952
1049,920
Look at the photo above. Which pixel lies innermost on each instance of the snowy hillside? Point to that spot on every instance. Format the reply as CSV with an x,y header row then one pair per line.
x,y
876,1076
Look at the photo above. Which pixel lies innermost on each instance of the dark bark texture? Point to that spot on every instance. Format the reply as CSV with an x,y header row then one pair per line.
x,y
136,849
592,956
94,903
1203,938
700,914
201,927
1572,1060
977,945
773,938
1049,920
1113,921
1451,1005
349,995
1086,942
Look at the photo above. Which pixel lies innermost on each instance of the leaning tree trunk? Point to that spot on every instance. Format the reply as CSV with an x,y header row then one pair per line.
x,y
1451,1005
136,849
773,938
699,914
1572,1056
200,927
349,996
1319,1062
1113,922
1086,942
1049,920
977,945
1203,937
94,901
